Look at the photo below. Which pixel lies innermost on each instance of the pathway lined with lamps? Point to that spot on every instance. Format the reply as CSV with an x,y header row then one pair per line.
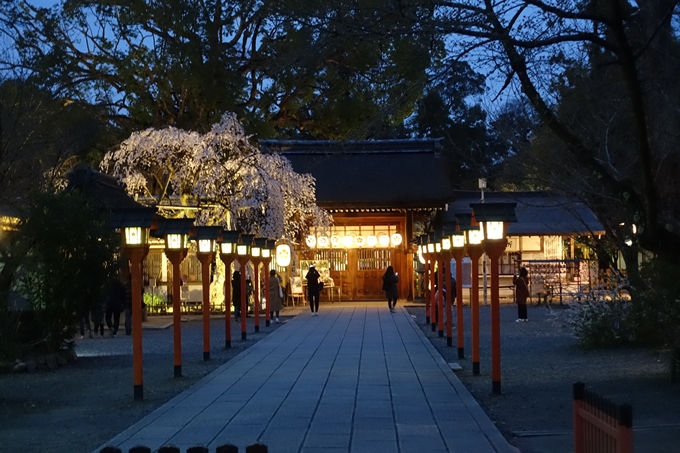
x,y
483,230
137,224
355,378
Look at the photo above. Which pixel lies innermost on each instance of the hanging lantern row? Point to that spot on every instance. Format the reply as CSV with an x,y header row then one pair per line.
x,y
354,241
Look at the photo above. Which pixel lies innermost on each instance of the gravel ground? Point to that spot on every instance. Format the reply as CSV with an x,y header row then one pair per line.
x,y
81,406
540,360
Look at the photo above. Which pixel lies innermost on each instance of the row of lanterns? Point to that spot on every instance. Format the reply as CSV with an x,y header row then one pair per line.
x,y
482,231
137,224
467,235
176,233
352,240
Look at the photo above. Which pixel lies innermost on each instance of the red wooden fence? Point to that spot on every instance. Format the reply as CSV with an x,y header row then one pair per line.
x,y
601,426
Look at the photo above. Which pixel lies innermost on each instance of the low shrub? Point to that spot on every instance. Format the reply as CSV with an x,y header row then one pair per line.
x,y
649,316
602,323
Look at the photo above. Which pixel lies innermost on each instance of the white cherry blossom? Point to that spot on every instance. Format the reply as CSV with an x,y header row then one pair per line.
x,y
219,178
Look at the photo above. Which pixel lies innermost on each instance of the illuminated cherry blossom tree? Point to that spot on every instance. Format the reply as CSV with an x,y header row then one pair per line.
x,y
220,177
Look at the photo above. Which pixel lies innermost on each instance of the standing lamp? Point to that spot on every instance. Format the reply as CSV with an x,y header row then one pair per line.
x,y
426,280
473,240
259,245
227,246
446,254
457,252
283,256
441,279
493,218
243,256
267,253
432,259
176,235
206,237
134,225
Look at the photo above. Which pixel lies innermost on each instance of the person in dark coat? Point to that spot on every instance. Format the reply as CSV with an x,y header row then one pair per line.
x,y
313,289
236,294
521,283
275,295
115,304
390,280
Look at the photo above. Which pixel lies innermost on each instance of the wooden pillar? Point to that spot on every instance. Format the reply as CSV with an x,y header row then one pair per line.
x,y
265,272
206,260
243,261
433,309
176,257
256,293
494,251
136,256
426,291
475,253
227,259
440,300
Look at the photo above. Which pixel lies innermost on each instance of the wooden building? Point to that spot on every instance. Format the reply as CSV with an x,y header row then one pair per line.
x,y
550,239
375,191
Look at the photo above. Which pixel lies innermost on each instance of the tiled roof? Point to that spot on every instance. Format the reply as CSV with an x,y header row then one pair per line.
x,y
388,174
538,213
101,187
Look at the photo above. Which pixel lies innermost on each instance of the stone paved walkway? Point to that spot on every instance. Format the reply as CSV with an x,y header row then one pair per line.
x,y
354,379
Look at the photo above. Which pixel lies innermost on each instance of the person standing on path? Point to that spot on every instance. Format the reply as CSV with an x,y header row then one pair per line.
x,y
275,295
313,289
390,280
115,304
521,283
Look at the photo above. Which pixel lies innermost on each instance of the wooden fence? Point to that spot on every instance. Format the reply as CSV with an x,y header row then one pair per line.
x,y
228,448
601,426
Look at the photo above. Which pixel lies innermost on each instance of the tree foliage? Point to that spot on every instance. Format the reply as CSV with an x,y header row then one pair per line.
x,y
287,68
40,137
220,175
448,110
66,252
600,77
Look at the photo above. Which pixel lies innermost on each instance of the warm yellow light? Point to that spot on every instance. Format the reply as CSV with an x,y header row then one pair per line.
x,y
311,240
266,253
396,239
446,243
133,235
384,240
347,241
283,255
175,241
430,248
493,230
323,242
336,241
420,254
359,241
475,237
205,245
242,249
371,241
437,247
255,251
227,248
458,241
